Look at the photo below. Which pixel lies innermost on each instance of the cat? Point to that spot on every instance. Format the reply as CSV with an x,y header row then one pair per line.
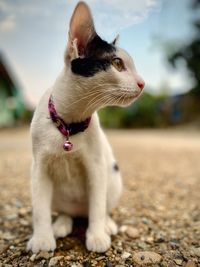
x,y
74,171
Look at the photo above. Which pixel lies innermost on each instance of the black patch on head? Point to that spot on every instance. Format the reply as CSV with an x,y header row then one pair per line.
x,y
89,66
116,167
98,48
98,55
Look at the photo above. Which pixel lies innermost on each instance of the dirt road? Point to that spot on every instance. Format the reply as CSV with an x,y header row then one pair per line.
x,y
159,211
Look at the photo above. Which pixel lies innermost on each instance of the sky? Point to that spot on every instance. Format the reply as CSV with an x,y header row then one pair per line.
x,y
33,37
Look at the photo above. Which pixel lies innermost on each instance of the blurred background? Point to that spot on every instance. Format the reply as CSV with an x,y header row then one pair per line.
x,y
162,36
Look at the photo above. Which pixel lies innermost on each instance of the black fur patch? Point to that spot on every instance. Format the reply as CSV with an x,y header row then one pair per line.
x,y
99,48
89,66
116,167
98,55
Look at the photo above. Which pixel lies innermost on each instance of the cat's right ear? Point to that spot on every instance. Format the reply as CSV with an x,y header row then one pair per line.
x,y
115,42
81,31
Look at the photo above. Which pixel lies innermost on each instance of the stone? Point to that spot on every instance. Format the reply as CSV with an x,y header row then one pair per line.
x,y
2,247
86,264
32,258
190,263
132,232
149,239
123,228
146,221
146,257
195,251
18,204
142,245
174,244
108,264
24,222
44,255
53,261
12,217
8,236
23,211
100,258
178,261
125,255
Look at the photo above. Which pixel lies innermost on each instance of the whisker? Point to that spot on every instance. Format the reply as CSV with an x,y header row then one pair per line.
x,y
97,101
97,92
87,95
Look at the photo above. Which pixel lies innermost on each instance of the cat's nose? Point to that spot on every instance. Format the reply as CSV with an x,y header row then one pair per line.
x,y
141,84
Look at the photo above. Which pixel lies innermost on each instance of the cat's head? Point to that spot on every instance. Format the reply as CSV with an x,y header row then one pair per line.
x,y
105,72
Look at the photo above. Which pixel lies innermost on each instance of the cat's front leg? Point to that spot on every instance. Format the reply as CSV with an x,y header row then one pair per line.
x,y
43,237
97,239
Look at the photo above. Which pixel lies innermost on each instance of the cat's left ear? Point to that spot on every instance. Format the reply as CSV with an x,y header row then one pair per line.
x,y
81,31
115,42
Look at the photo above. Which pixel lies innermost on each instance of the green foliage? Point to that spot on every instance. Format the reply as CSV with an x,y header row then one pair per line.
x,y
143,113
191,53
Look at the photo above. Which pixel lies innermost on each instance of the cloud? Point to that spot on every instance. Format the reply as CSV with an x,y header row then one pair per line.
x,y
109,16
115,15
8,24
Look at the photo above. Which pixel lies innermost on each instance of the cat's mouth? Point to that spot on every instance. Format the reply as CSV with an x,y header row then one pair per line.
x,y
129,95
125,98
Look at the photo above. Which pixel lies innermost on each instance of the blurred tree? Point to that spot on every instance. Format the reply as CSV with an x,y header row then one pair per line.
x,y
191,52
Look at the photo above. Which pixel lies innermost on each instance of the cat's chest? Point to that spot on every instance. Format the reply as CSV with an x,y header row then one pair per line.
x,y
69,175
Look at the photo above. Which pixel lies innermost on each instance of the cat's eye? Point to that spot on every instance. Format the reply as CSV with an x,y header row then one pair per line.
x,y
118,64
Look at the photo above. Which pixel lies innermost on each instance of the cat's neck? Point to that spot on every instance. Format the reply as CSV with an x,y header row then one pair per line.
x,y
68,99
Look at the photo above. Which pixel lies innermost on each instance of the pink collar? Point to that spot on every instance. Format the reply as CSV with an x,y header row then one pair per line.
x,y
67,129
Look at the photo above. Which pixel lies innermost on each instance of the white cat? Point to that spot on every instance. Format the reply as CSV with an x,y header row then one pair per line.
x,y
82,180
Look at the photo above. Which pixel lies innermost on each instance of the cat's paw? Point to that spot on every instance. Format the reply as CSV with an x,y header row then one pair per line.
x,y
41,243
111,227
97,241
62,226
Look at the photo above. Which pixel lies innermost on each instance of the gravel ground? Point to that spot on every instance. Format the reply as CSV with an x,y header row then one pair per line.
x,y
158,216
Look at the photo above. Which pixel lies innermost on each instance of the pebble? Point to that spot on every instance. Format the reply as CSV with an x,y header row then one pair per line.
x,y
32,258
132,232
8,236
190,264
24,222
125,255
23,211
146,221
100,258
146,257
123,228
18,204
86,264
160,237
44,255
53,261
108,264
195,251
11,217
2,247
149,239
142,245
178,261
119,266
174,244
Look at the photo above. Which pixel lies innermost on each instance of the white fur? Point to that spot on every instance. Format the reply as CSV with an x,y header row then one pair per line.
x,y
82,182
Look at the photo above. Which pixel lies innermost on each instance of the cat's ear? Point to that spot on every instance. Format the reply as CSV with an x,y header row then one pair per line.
x,y
81,30
115,42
